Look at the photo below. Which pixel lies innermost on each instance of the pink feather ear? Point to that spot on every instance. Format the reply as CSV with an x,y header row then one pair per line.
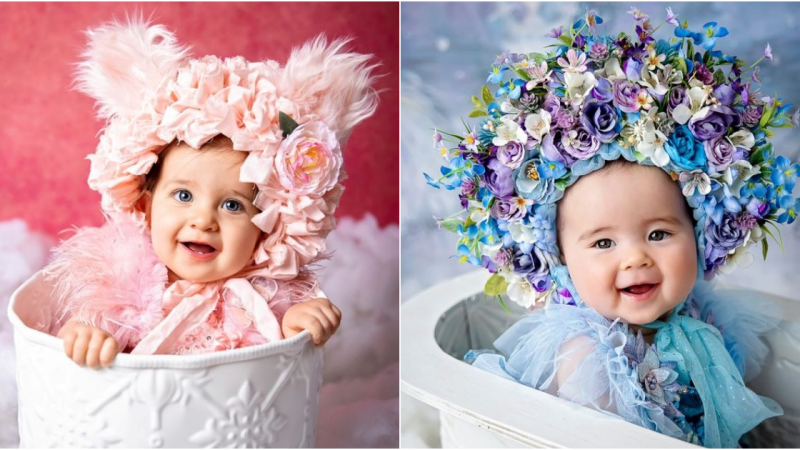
x,y
125,63
335,86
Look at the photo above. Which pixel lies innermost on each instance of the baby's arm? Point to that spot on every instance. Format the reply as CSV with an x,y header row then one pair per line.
x,y
88,345
319,316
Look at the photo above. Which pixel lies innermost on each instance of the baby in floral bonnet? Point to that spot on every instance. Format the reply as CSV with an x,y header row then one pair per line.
x,y
219,180
606,186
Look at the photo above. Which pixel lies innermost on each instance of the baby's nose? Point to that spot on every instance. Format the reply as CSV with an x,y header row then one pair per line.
x,y
636,258
204,221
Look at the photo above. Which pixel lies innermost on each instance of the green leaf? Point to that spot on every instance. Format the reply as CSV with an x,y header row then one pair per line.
x,y
287,124
450,225
524,75
719,77
478,113
537,57
764,248
767,115
566,40
561,184
706,57
690,50
476,102
487,96
495,285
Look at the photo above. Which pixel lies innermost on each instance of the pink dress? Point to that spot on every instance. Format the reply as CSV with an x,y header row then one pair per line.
x,y
111,278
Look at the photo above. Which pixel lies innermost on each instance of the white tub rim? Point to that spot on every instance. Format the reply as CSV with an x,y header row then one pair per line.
x,y
124,360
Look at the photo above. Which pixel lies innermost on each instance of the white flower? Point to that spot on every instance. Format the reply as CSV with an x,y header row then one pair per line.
x,y
522,293
654,60
738,173
696,179
652,143
579,85
479,213
743,139
509,131
538,124
611,70
522,233
740,258
697,99
651,80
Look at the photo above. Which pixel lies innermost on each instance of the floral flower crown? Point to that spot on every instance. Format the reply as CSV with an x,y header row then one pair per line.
x,y
292,121
679,105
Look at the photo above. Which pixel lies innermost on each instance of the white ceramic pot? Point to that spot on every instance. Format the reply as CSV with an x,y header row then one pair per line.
x,y
262,396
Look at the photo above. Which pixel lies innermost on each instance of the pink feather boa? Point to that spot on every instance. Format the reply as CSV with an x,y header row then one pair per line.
x,y
111,278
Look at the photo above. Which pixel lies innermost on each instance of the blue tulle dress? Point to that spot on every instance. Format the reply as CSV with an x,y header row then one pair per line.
x,y
689,384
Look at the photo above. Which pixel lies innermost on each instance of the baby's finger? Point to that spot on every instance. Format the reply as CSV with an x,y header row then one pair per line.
x,y
109,351
79,350
93,353
313,326
332,318
69,343
323,320
336,311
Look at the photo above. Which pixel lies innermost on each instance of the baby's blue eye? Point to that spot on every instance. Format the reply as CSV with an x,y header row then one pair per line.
x,y
659,235
182,195
603,244
233,206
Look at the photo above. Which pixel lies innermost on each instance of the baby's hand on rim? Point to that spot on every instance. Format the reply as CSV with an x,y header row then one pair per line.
x,y
319,316
88,345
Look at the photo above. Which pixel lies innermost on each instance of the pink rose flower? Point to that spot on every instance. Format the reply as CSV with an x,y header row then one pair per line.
x,y
309,160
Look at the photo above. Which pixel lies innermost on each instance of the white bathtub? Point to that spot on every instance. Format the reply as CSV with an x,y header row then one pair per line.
x,y
262,396
479,409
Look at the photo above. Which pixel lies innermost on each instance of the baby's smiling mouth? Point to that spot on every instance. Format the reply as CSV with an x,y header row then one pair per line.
x,y
199,248
638,289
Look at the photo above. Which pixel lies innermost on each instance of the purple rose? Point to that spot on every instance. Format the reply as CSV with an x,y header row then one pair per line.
x,y
714,124
625,94
719,153
677,96
580,143
551,103
553,148
511,155
722,238
724,94
529,260
540,282
507,210
602,120
499,179
603,92
747,221
757,208
564,119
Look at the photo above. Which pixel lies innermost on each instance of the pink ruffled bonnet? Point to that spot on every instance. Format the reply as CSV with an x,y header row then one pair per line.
x,y
293,121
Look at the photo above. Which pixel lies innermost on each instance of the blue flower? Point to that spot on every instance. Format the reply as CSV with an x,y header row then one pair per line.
x,y
496,74
552,169
709,35
685,152
513,88
792,206
754,188
467,256
784,173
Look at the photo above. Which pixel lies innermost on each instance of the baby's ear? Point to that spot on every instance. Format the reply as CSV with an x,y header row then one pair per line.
x,y
331,83
143,206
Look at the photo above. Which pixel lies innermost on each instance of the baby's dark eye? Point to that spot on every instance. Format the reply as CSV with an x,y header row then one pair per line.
x,y
659,235
233,206
603,244
182,195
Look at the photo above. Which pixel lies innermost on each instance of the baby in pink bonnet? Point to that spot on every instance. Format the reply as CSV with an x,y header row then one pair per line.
x,y
219,179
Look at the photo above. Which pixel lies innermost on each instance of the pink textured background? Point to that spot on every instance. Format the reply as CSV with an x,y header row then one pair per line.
x,y
47,129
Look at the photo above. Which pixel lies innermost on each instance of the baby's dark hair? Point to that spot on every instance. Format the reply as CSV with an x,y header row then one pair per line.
x,y
218,142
